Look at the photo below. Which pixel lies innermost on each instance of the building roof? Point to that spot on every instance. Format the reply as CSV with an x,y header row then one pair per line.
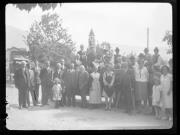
x,y
15,49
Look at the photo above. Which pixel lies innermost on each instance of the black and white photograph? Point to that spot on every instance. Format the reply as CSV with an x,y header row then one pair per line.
x,y
89,66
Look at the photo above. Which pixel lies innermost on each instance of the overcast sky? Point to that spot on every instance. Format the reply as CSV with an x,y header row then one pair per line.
x,y
116,23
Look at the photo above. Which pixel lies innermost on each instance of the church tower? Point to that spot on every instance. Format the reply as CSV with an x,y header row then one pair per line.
x,y
92,40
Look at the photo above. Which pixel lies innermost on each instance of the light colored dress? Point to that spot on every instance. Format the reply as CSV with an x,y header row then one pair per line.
x,y
141,77
156,95
95,90
166,85
57,92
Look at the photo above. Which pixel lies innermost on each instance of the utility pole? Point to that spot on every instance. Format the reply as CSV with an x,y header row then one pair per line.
x,y
147,37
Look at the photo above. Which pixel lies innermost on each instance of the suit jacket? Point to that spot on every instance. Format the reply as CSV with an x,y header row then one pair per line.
x,y
57,75
22,79
83,80
128,80
46,77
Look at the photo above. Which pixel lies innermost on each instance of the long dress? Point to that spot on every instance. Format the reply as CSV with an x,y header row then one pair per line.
x,y
95,90
156,94
166,85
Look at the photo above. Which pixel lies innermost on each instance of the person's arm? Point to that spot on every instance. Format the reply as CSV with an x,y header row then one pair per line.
x,y
147,74
112,81
170,89
104,80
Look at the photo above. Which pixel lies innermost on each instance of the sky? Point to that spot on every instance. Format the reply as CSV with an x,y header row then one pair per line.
x,y
120,24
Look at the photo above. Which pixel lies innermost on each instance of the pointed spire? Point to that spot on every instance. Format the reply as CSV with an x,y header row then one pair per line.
x,y
91,32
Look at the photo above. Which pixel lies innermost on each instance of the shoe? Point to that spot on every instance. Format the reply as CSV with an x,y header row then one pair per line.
x,y
20,107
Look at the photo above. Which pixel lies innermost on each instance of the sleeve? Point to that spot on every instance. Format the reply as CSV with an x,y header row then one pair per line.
x,y
113,78
104,80
147,74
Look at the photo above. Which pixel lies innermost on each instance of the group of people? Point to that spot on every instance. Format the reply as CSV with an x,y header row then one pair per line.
x,y
130,83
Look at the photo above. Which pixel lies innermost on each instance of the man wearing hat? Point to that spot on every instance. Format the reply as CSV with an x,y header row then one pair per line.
x,y
22,82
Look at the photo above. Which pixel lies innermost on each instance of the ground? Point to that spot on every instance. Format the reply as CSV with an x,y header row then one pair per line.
x,y
69,118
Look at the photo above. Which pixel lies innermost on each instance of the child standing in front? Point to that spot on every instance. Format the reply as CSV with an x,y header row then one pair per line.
x,y
166,82
156,96
57,92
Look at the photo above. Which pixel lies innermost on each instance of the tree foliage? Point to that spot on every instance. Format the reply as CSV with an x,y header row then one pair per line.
x,y
43,6
47,39
168,38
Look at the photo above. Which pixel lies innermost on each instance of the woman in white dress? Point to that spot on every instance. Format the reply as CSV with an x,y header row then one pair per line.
x,y
95,89
166,82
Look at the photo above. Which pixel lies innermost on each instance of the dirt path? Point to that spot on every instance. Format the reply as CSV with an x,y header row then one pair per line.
x,y
69,118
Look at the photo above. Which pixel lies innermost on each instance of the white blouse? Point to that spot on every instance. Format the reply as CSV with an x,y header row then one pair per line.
x,y
141,75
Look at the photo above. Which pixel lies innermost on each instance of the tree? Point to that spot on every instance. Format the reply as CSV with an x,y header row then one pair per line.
x,y
168,38
47,39
29,7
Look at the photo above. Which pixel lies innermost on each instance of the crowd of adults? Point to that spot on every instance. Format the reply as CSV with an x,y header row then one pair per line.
x,y
129,83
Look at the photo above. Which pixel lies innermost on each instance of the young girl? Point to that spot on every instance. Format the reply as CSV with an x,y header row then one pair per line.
x,y
166,82
57,92
156,96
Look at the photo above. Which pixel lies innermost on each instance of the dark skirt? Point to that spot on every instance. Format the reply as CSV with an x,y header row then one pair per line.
x,y
141,92
109,91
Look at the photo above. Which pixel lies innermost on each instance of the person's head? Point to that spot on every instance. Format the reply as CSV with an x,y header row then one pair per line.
x,y
58,65
29,65
56,80
132,60
156,50
82,68
164,70
156,80
77,56
82,47
117,50
62,61
47,63
72,66
146,50
23,64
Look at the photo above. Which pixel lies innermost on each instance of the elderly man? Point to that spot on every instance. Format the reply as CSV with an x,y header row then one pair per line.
x,y
46,82
83,85
22,83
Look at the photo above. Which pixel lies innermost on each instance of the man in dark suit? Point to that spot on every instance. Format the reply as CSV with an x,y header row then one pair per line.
x,y
22,82
83,85
46,75
128,87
